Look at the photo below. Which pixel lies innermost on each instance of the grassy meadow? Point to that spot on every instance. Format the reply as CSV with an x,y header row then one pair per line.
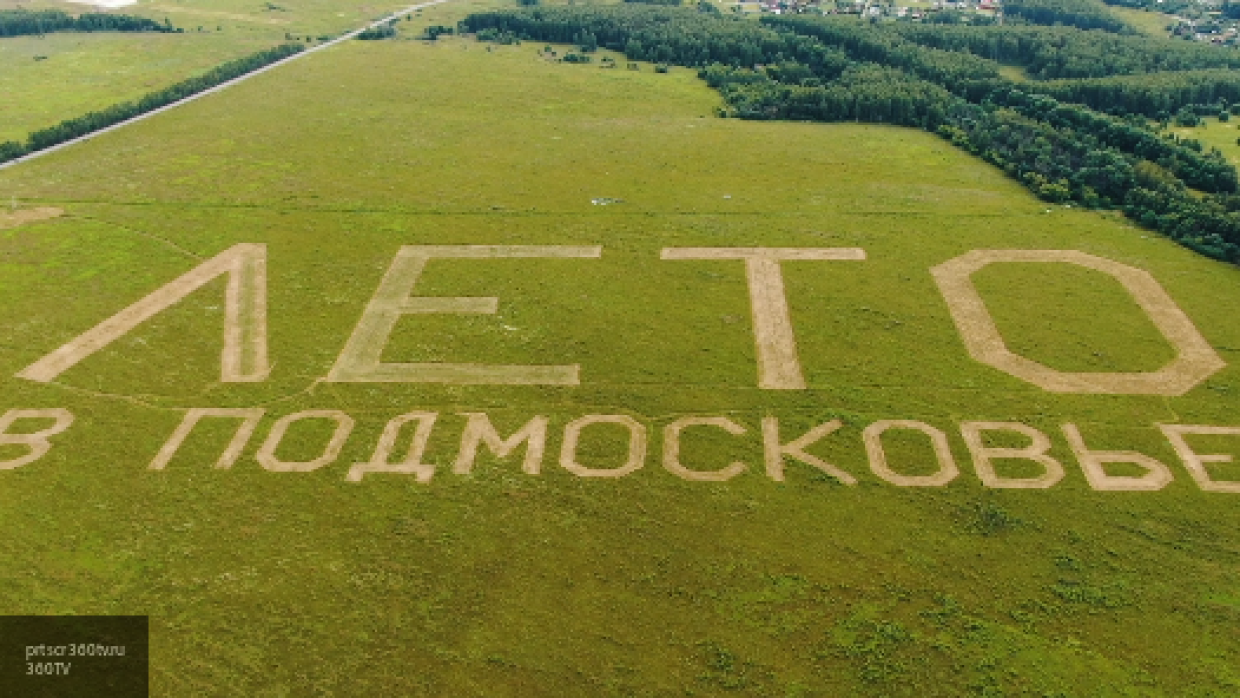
x,y
1213,133
502,583
64,75
1148,23
78,73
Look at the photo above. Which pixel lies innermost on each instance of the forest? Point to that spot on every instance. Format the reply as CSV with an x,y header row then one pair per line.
x,y
947,80
1047,53
1082,14
1166,6
1158,96
40,22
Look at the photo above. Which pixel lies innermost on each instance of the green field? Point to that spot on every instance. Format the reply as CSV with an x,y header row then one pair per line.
x,y
305,16
1213,133
84,72
64,75
1148,23
499,582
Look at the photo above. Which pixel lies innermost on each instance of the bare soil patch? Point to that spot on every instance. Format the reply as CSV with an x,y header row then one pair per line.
x,y
12,219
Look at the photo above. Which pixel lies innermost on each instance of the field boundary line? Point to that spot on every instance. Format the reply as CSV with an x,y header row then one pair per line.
x,y
348,36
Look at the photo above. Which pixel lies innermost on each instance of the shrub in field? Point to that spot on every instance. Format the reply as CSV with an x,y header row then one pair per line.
x,y
383,31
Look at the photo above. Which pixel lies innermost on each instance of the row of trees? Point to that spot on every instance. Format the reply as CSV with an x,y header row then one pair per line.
x,y
387,30
960,72
73,128
1155,95
855,71
873,93
1082,14
863,92
1185,160
1162,6
1062,52
966,61
670,35
1068,152
1064,165
39,22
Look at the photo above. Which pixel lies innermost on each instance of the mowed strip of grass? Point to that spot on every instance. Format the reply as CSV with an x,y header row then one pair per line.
x,y
502,583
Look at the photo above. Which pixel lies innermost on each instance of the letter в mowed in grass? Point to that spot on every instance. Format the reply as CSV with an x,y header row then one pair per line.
x,y
36,441
984,456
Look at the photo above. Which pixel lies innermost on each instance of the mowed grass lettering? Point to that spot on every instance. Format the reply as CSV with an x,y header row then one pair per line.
x,y
245,322
418,368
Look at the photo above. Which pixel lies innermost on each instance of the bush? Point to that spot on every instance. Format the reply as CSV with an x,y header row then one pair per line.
x,y
586,41
383,31
433,32
11,150
1186,117
498,36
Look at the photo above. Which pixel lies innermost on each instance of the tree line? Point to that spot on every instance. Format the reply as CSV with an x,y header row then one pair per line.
x,y
862,92
386,30
1170,7
1047,53
1155,95
960,72
831,69
1082,14
39,22
73,128
1184,159
658,34
1153,78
